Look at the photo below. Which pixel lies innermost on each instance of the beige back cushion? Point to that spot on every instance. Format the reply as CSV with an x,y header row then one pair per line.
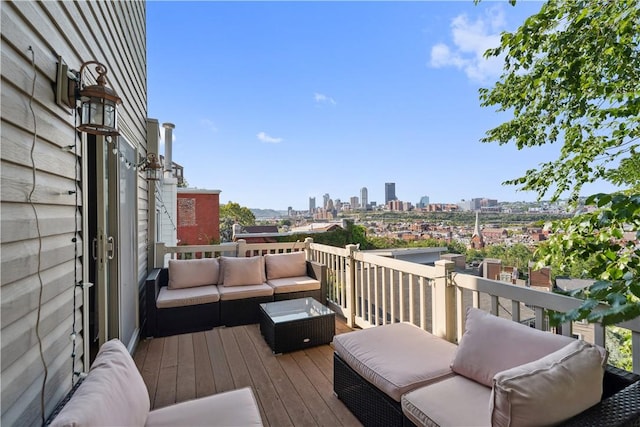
x,y
242,271
112,394
188,273
293,264
549,390
491,344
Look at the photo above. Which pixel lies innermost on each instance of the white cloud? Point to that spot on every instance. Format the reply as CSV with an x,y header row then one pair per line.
x,y
262,136
471,39
321,98
209,125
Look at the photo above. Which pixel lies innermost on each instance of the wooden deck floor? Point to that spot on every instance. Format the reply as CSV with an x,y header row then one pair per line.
x,y
292,389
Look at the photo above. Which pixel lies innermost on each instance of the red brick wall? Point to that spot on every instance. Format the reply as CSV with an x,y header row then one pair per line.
x,y
198,218
492,270
540,277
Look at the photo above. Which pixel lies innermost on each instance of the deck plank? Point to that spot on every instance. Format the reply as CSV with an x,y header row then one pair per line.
x,y
292,401
273,407
185,388
221,372
235,359
293,389
324,386
205,381
319,357
140,354
303,386
167,380
151,369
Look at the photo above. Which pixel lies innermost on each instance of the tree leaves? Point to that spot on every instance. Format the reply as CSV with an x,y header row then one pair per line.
x,y
602,241
572,75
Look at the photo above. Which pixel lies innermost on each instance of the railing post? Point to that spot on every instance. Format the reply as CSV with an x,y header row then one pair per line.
x,y
161,251
444,298
307,248
241,250
351,285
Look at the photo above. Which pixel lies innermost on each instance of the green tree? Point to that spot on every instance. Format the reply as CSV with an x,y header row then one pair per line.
x,y
571,76
232,213
518,255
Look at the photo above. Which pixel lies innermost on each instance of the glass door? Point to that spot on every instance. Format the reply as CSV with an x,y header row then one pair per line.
x,y
123,292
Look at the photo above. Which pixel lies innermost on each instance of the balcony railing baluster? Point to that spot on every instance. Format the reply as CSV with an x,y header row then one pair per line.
x,y
370,290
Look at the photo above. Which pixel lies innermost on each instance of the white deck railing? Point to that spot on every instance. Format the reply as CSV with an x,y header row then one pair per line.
x,y
370,290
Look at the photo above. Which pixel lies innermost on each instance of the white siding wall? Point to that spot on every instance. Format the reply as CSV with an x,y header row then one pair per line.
x,y
113,33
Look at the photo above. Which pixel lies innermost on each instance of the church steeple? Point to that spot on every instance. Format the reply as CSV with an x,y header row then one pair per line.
x,y
477,241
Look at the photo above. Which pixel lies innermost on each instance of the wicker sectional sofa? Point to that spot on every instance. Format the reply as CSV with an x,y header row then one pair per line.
x,y
196,295
114,394
502,374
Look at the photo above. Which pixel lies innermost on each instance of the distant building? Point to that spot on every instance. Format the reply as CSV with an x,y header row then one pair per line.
x,y
540,278
364,198
395,205
477,241
198,216
354,202
389,192
312,204
479,204
491,268
418,255
329,204
424,202
325,200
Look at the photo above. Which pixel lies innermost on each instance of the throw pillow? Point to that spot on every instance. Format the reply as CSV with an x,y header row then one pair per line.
x,y
549,390
242,271
491,344
188,273
292,264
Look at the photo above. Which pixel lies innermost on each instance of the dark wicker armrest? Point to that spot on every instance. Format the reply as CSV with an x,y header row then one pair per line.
x,y
318,271
63,402
621,409
620,405
152,289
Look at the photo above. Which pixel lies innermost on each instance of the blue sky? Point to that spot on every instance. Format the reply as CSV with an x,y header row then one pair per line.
x,y
275,102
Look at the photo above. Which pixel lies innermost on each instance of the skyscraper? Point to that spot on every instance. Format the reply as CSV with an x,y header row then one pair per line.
x,y
354,202
325,200
312,204
424,202
389,192
364,198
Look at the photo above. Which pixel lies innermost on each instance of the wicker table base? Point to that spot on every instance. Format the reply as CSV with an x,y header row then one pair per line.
x,y
296,324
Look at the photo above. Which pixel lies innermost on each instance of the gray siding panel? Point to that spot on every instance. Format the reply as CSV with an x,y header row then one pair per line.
x,y
113,33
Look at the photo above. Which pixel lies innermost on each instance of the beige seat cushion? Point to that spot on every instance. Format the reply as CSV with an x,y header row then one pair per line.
x,y
228,293
187,273
112,394
549,390
396,358
455,401
242,271
168,298
233,408
293,264
293,284
491,344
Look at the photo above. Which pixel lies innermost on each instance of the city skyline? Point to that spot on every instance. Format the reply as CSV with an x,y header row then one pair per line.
x,y
336,94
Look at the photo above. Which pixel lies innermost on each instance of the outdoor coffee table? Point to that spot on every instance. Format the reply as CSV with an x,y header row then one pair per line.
x,y
296,324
